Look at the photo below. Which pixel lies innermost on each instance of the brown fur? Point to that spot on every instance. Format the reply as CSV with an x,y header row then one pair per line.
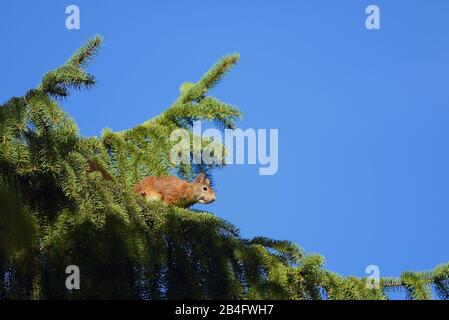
x,y
175,191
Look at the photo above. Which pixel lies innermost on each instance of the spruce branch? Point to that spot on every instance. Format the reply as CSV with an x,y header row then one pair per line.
x,y
209,79
84,55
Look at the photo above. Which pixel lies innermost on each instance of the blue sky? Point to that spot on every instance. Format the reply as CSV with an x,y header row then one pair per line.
x,y
362,114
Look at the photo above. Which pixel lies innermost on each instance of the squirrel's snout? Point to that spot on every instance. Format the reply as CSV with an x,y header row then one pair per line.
x,y
210,199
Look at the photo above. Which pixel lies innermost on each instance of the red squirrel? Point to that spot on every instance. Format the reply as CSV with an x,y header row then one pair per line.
x,y
175,191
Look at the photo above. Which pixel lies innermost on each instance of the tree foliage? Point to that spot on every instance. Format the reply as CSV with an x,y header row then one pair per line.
x,y
68,200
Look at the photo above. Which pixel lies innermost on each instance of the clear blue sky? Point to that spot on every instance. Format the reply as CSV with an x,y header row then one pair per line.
x,y
362,115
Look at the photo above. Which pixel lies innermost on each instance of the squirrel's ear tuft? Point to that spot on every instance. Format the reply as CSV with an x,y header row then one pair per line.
x,y
201,178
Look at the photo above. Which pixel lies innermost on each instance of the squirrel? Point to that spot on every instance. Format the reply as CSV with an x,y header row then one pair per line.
x,y
175,191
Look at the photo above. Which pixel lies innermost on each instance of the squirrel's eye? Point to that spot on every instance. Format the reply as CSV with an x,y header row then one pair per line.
x,y
205,188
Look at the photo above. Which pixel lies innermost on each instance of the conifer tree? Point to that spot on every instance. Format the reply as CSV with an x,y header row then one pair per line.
x,y
67,200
